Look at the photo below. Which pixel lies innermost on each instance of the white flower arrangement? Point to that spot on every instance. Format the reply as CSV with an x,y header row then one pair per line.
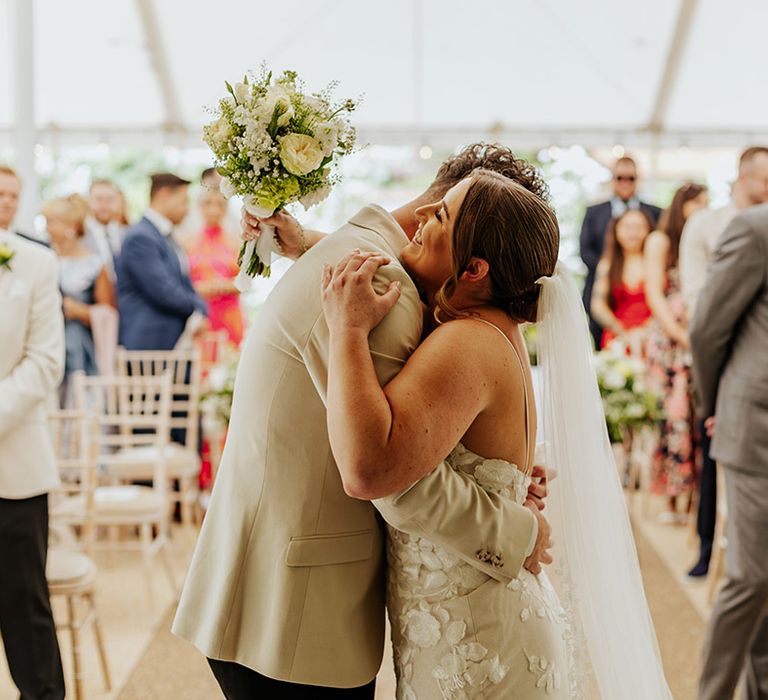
x,y
274,145
626,400
219,386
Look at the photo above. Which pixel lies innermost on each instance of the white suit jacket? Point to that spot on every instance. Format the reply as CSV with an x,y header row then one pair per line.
x,y
288,574
31,367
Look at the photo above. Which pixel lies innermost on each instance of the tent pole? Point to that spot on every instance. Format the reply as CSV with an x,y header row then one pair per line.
x,y
24,110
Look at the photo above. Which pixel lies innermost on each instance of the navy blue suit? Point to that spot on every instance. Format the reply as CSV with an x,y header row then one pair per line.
x,y
155,296
592,241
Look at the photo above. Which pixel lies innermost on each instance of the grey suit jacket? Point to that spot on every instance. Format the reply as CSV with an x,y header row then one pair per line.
x,y
288,573
729,338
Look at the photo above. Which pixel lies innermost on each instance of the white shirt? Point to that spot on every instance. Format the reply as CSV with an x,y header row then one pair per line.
x,y
165,226
105,240
697,243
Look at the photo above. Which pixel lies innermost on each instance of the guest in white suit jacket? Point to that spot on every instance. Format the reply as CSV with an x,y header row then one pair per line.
x,y
31,367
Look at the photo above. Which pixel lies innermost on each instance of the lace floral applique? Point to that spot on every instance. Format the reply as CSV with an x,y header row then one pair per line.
x,y
548,677
533,602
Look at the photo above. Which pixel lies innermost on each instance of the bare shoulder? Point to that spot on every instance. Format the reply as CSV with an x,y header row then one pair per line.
x,y
658,240
657,244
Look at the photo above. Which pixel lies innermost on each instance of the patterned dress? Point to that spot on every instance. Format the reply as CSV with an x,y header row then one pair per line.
x,y
212,258
459,634
669,376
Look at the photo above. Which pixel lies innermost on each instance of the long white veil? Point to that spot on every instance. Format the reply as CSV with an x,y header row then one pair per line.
x,y
595,557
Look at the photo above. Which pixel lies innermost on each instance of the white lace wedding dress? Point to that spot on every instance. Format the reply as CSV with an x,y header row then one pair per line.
x,y
457,633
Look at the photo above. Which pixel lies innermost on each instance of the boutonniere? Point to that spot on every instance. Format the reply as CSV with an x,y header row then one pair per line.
x,y
6,255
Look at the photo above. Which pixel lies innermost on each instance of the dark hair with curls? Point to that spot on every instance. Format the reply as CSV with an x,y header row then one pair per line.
x,y
614,253
488,156
673,219
516,232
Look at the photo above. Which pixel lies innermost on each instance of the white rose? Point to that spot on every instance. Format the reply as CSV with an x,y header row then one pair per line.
x,y
279,99
227,188
217,378
219,133
614,379
300,154
422,629
327,133
313,198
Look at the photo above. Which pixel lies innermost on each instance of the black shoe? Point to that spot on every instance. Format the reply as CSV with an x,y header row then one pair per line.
x,y
700,570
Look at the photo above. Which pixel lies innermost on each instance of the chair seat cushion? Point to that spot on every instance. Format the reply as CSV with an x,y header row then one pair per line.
x,y
65,568
139,462
113,501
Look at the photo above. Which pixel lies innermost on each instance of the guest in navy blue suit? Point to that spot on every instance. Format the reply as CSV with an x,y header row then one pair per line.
x,y
596,221
154,293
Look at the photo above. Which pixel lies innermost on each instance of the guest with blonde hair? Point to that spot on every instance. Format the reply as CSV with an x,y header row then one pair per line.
x,y
84,281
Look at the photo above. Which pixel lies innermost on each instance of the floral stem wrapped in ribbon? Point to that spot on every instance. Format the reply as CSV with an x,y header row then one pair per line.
x,y
274,145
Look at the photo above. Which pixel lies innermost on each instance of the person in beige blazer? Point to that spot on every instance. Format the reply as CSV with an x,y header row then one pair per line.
x,y
31,367
285,592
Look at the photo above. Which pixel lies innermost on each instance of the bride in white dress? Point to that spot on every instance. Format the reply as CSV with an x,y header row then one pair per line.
x,y
485,258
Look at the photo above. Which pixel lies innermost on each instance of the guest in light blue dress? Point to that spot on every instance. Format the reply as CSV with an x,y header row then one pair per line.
x,y
84,282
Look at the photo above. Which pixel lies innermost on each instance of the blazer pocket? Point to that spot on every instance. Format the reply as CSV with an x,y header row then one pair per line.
x,y
323,550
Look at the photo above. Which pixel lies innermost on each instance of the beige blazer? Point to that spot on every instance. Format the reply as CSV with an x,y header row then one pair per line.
x,y
31,367
288,574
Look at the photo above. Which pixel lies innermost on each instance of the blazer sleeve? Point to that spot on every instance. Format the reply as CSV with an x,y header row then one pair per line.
x,y
41,367
491,533
140,259
590,243
736,275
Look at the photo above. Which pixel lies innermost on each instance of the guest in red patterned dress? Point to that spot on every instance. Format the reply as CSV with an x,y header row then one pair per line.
x,y
213,266
669,356
618,297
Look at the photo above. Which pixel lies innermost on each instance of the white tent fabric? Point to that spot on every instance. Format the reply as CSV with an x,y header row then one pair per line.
x,y
594,72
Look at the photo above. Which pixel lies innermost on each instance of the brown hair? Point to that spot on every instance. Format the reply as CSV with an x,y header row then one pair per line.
x,y
749,154
487,156
72,210
162,180
672,219
516,232
614,253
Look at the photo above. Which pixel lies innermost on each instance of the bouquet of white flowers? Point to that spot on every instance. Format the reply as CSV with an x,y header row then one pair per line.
x,y
219,386
275,144
627,402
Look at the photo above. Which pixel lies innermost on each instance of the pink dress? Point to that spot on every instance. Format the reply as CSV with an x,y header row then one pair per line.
x,y
213,259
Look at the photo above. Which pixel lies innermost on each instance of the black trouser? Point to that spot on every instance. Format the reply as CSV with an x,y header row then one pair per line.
x,y
241,683
707,513
26,622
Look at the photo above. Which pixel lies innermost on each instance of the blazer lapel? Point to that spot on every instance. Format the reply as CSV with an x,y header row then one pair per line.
x,y
171,259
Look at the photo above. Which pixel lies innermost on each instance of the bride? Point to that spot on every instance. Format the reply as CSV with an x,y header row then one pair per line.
x,y
485,258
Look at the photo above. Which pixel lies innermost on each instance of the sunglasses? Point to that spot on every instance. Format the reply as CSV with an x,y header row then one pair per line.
x,y
625,178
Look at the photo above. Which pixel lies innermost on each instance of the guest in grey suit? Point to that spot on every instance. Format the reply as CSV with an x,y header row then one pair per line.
x,y
729,338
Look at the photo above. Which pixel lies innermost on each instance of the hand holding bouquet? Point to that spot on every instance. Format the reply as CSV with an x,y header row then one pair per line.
x,y
274,145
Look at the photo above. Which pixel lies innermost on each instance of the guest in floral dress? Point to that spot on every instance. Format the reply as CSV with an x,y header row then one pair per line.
x,y
669,357
213,266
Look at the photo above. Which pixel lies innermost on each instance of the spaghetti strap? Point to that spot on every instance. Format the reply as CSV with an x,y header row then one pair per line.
x,y
525,384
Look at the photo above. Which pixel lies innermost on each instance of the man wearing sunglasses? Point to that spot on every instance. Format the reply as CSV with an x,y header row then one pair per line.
x,y
596,218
